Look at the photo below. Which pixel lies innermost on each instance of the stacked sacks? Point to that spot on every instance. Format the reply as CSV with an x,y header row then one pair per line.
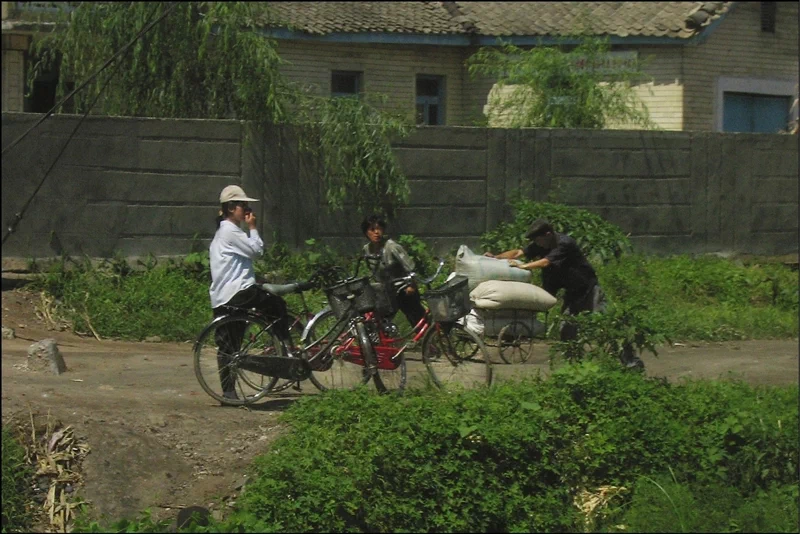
x,y
498,303
480,268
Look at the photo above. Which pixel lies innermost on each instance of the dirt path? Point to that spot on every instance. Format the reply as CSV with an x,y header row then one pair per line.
x,y
158,441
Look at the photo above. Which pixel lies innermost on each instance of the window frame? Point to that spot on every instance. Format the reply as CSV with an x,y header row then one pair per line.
x,y
756,86
359,79
426,101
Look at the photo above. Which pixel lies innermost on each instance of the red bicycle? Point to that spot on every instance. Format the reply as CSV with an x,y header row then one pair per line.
x,y
449,352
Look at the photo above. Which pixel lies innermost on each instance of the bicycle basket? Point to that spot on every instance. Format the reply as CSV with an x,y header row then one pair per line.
x,y
449,302
386,299
355,296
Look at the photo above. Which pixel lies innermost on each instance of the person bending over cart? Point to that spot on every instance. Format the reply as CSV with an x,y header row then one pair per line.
x,y
564,266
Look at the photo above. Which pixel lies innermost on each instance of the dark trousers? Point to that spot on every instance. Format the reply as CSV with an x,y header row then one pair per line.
x,y
229,338
593,300
411,306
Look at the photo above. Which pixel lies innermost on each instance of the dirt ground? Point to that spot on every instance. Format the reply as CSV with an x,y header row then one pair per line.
x,y
158,441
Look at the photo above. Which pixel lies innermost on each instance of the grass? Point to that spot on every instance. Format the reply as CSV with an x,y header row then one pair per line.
x,y
16,482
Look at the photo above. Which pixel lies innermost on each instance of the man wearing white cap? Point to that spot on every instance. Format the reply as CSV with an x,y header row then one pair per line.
x,y
233,280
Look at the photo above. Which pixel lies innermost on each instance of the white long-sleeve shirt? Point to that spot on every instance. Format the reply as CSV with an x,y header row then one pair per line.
x,y
231,256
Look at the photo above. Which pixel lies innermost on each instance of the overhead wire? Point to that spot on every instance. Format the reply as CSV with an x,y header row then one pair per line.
x,y
147,27
121,51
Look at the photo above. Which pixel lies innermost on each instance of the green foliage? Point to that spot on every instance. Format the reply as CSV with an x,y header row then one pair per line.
x,y
352,139
16,483
117,301
425,261
604,335
662,504
512,458
599,239
705,297
210,60
549,87
143,523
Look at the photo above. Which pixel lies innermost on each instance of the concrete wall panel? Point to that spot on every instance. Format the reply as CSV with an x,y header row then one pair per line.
x,y
142,186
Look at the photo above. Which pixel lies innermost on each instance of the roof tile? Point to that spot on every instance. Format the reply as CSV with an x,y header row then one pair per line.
x,y
653,19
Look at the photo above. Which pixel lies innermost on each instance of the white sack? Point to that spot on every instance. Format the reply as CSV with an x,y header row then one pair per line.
x,y
473,322
498,295
479,268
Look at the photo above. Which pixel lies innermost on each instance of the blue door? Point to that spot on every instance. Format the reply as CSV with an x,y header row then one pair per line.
x,y
754,113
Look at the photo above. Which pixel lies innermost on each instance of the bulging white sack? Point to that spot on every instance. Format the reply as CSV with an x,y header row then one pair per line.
x,y
499,295
479,268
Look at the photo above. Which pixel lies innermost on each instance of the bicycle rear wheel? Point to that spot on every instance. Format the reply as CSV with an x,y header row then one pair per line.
x,y
391,373
221,351
454,355
335,368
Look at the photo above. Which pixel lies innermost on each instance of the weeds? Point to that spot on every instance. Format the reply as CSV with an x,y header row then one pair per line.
x,y
16,485
518,457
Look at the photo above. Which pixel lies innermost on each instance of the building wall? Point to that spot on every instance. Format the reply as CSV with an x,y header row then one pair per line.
x,y
142,186
738,48
387,69
14,47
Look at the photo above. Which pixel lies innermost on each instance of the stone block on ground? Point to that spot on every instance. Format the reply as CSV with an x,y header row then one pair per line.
x,y
45,354
8,333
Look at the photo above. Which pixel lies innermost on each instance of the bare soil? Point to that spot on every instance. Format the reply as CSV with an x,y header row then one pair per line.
x,y
159,441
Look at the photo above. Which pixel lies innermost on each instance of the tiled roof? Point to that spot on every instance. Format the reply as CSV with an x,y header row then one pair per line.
x,y
646,19
356,17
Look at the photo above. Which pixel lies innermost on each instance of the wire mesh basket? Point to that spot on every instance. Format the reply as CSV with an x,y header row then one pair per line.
x,y
355,296
449,302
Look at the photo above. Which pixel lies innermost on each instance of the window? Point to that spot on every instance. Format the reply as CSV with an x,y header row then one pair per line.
x,y
745,112
430,100
768,10
345,83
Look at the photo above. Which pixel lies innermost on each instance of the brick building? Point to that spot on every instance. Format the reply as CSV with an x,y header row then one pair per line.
x,y
715,66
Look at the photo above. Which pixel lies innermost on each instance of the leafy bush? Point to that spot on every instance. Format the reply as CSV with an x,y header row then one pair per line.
x,y
512,458
16,474
706,297
664,504
599,240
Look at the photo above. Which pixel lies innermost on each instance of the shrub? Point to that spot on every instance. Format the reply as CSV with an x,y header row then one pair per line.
x,y
512,457
16,474
599,240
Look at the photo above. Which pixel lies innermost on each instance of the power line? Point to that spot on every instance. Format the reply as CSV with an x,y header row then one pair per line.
x,y
18,216
122,50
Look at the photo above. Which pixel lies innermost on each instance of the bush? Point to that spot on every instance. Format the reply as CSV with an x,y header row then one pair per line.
x,y
512,458
665,504
16,483
706,297
599,240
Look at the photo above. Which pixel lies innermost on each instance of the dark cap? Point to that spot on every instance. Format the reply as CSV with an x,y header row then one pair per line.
x,y
537,228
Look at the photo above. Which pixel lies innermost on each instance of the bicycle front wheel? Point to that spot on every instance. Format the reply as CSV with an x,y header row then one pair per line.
x,y
339,366
454,355
222,354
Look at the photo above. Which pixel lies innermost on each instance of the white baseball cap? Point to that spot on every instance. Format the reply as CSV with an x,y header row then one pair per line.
x,y
234,192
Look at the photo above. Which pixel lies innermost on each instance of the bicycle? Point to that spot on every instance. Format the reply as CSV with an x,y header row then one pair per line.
x,y
450,352
238,360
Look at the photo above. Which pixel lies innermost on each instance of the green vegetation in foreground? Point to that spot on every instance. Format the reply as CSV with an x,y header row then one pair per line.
x,y
703,456
16,475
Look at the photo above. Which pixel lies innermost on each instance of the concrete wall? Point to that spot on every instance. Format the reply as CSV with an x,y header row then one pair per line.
x,y
143,186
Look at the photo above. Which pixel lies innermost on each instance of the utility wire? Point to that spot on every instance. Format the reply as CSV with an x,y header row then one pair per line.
x,y
18,216
122,50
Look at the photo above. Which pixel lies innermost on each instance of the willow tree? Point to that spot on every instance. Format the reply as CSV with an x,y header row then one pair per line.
x,y
551,87
209,60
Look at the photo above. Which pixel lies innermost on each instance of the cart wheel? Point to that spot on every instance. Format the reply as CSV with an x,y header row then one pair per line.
x,y
516,342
